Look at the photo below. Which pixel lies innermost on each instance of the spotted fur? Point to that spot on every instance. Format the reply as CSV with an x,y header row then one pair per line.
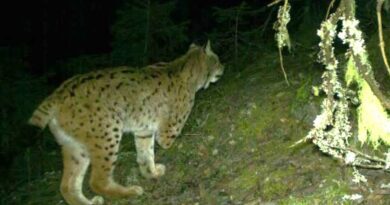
x,y
89,113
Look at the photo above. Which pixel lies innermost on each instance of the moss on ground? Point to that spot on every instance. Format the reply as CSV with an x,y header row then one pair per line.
x,y
235,149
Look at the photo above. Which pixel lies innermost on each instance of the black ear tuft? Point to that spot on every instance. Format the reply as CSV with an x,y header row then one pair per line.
x,y
200,40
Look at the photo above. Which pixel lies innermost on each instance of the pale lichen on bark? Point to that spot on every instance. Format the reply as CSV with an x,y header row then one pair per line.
x,y
332,129
282,36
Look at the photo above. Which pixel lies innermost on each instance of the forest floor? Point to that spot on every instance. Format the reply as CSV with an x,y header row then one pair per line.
x,y
236,149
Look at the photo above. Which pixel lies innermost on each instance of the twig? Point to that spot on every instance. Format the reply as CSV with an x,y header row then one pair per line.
x,y
281,65
365,156
380,33
368,166
371,158
329,7
192,134
370,79
280,47
298,142
285,6
273,3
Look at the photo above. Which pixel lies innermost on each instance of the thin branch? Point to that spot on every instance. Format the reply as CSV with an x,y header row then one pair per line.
x,y
380,33
329,8
378,93
369,166
370,79
285,5
192,134
365,156
371,158
281,65
357,152
274,2
280,47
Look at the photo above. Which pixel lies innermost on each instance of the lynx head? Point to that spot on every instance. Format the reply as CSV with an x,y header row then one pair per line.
x,y
200,66
214,67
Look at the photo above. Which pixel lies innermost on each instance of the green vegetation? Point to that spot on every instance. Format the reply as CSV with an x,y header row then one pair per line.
x,y
374,123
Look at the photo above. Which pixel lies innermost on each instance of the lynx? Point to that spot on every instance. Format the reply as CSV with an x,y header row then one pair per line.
x,y
89,113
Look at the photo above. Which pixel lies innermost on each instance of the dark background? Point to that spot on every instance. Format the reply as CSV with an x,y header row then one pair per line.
x,y
43,42
56,30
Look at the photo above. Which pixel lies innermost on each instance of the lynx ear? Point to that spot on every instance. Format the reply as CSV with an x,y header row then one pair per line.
x,y
208,48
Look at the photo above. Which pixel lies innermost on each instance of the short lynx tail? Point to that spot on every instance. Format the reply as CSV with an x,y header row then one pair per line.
x,y
42,115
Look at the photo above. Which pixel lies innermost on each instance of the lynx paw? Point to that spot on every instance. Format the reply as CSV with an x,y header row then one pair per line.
x,y
97,200
136,190
160,170
152,174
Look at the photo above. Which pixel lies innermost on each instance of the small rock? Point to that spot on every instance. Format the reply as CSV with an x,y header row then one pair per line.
x,y
210,138
180,146
232,142
281,94
283,120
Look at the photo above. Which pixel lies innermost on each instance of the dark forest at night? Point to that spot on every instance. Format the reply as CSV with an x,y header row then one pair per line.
x,y
259,102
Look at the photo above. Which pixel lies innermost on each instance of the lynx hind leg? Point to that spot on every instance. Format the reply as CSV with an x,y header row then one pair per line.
x,y
145,157
75,165
103,156
75,162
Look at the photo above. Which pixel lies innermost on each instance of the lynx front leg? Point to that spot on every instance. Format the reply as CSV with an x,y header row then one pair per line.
x,y
145,157
167,135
